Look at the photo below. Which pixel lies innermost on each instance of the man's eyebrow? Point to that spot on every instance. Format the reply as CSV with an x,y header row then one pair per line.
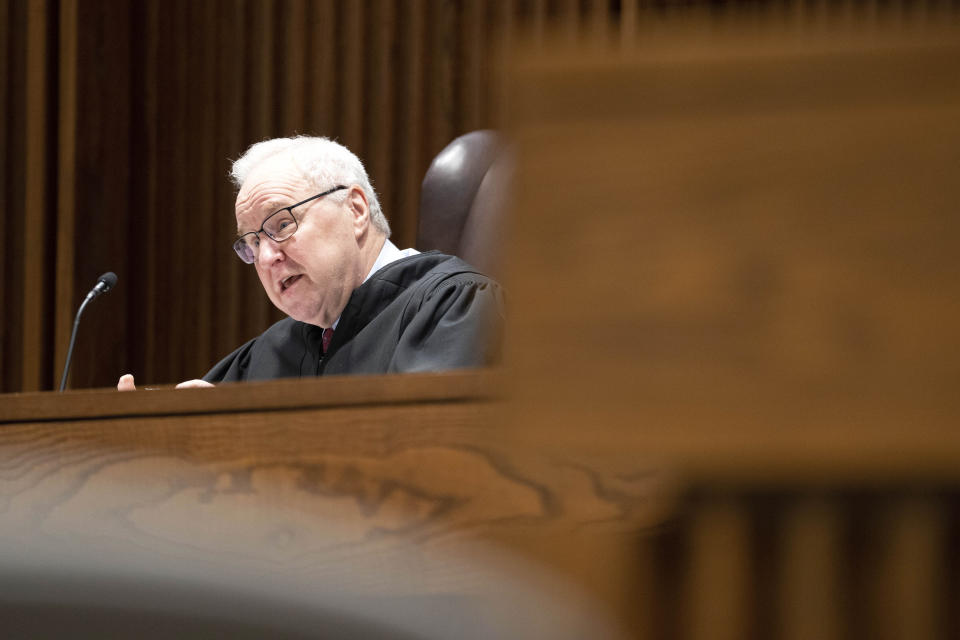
x,y
273,205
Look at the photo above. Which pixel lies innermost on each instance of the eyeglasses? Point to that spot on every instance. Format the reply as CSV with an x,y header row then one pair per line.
x,y
278,226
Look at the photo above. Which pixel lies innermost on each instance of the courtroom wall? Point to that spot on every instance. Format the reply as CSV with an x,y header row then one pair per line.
x,y
119,122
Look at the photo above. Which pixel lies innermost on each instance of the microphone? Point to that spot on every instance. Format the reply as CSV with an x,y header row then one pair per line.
x,y
104,284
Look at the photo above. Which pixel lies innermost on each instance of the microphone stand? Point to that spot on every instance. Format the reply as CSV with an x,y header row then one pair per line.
x,y
73,339
104,284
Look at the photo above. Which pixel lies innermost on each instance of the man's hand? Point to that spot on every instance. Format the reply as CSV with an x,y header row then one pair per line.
x,y
194,384
125,383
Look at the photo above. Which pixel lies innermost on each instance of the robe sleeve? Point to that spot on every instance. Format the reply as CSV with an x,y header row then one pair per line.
x,y
458,325
233,368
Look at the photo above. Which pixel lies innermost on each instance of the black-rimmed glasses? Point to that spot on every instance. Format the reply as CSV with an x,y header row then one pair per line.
x,y
278,226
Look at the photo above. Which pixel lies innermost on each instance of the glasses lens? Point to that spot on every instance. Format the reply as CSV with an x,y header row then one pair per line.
x,y
281,225
244,249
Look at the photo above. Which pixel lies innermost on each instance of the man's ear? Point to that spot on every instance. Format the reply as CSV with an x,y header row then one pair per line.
x,y
360,208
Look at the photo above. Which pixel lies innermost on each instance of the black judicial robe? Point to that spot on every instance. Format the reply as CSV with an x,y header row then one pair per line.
x,y
426,312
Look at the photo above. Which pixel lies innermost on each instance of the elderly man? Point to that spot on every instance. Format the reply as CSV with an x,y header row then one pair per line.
x,y
309,222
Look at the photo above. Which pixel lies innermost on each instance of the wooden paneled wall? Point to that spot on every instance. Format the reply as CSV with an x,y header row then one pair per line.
x,y
119,122
800,562
119,119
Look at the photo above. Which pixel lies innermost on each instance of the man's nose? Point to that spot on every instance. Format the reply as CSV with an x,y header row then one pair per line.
x,y
269,251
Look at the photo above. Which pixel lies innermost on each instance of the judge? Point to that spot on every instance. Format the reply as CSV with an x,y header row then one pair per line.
x,y
309,222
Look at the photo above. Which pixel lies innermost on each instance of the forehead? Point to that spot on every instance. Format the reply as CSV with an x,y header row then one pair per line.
x,y
274,183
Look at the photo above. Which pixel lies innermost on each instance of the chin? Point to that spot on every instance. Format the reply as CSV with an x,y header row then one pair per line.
x,y
300,317
308,317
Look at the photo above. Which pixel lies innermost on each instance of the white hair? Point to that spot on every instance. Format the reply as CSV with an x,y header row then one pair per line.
x,y
323,163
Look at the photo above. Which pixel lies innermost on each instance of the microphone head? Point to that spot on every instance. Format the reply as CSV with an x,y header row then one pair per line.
x,y
109,279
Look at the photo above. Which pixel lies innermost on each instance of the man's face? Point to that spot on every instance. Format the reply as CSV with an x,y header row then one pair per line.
x,y
310,275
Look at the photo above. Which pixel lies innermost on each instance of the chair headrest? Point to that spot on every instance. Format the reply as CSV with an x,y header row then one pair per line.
x,y
450,188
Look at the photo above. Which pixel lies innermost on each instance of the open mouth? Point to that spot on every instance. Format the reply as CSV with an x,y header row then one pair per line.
x,y
288,282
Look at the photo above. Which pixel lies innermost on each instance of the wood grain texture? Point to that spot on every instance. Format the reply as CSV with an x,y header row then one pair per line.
x,y
342,481
332,487
289,393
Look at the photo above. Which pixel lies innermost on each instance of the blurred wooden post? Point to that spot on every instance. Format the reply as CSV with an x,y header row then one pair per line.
x,y
716,604
735,259
811,595
911,571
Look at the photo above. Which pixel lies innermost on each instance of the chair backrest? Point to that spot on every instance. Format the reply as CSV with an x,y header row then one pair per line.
x,y
462,199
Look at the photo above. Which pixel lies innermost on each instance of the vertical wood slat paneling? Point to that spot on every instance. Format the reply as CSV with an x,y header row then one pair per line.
x,y
471,65
231,75
908,601
35,213
292,97
6,359
262,96
627,25
182,302
537,22
197,235
598,20
380,145
352,46
718,574
66,176
150,355
410,92
104,198
502,36
203,210
14,179
441,45
252,311
262,99
568,19
321,117
875,562
810,583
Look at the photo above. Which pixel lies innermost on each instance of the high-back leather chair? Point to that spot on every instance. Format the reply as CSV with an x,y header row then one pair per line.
x,y
462,199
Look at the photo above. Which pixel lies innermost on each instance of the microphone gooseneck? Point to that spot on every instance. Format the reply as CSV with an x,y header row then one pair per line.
x,y
104,284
